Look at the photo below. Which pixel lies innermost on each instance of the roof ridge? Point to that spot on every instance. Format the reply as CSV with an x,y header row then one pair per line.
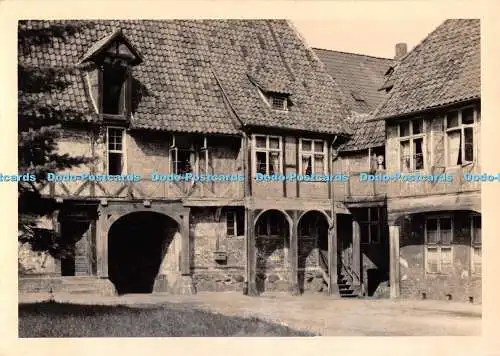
x,y
352,53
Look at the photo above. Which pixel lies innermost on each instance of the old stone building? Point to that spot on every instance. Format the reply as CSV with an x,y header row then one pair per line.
x,y
241,100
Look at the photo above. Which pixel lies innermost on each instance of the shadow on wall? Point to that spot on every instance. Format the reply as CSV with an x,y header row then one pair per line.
x,y
137,244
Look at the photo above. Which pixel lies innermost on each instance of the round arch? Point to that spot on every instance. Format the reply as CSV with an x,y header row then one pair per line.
x,y
328,219
287,217
137,245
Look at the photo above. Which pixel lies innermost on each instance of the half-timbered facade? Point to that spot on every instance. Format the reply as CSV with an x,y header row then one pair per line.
x,y
433,118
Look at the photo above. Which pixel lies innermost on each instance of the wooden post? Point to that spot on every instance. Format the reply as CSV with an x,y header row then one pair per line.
x,y
102,244
293,255
333,289
185,253
356,250
251,256
394,260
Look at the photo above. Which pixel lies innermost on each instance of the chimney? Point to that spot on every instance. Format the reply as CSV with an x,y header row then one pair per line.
x,y
401,50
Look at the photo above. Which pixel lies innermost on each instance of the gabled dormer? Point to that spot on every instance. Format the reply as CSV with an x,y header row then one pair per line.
x,y
109,64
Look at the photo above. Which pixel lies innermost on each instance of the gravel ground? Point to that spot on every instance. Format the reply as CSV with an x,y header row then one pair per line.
x,y
317,314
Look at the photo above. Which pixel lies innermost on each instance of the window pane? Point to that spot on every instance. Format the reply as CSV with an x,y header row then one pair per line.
x,y
374,233
373,214
318,146
319,166
432,231
476,221
469,144
446,259
115,163
307,165
240,223
274,162
418,126
476,259
260,141
261,158
404,129
364,232
468,116
183,163
362,214
418,154
454,151
405,156
306,145
445,231
274,142
452,119
432,260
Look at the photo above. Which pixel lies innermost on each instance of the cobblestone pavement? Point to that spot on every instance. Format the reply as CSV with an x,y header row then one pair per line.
x,y
316,313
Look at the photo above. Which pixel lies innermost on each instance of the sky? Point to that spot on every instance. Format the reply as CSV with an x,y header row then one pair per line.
x,y
366,36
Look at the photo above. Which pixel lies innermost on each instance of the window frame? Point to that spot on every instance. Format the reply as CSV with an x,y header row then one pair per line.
x,y
122,152
474,244
411,139
267,150
369,223
461,127
195,153
439,246
311,154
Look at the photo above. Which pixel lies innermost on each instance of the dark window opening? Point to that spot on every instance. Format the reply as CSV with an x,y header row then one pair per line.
x,y
113,90
261,162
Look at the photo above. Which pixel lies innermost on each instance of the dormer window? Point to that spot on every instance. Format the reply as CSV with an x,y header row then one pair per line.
x,y
109,63
277,101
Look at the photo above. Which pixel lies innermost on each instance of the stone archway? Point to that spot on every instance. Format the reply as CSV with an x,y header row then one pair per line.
x,y
272,234
137,245
312,251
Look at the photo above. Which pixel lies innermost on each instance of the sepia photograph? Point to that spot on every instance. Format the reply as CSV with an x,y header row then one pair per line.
x,y
248,177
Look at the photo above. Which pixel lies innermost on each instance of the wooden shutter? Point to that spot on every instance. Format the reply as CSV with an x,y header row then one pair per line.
x,y
94,79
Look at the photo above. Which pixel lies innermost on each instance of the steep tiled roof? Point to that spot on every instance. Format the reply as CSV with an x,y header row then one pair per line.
x,y
191,67
444,69
359,77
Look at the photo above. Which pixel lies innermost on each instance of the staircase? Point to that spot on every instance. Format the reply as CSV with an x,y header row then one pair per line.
x,y
345,278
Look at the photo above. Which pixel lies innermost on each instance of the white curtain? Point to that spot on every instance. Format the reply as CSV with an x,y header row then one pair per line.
x,y
454,143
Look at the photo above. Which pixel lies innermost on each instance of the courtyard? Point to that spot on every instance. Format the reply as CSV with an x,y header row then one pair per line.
x,y
233,314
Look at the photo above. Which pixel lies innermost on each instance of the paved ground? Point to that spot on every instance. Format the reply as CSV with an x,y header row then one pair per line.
x,y
317,313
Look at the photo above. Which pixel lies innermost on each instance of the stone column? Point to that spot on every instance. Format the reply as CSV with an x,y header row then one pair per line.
x,y
394,260
251,255
186,285
333,288
293,256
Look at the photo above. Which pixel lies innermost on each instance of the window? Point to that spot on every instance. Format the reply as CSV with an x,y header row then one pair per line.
x,y
460,136
411,134
439,237
312,157
268,154
114,90
476,262
187,154
277,101
115,145
235,223
369,224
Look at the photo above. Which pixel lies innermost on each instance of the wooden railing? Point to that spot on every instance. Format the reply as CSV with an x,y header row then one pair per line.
x,y
143,189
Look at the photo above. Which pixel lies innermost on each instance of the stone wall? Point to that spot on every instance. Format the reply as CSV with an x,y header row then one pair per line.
x,y
459,282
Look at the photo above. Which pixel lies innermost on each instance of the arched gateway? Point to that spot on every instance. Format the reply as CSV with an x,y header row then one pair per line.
x,y
141,247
